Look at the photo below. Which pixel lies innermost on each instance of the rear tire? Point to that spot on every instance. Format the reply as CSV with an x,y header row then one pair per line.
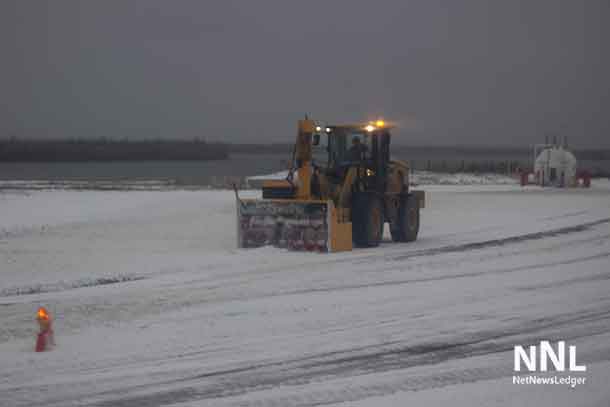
x,y
407,225
367,220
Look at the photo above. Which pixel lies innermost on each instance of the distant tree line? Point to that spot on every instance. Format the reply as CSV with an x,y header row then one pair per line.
x,y
110,150
490,151
600,155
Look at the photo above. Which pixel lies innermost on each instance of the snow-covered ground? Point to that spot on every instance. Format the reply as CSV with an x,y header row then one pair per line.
x,y
154,305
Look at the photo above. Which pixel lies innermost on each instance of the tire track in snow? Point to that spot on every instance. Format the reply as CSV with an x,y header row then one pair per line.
x,y
67,285
316,369
502,241
460,275
338,367
357,258
375,254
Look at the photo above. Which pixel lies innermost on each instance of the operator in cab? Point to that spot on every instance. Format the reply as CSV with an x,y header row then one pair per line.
x,y
357,150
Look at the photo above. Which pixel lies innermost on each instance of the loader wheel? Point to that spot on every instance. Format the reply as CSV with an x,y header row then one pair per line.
x,y
367,220
407,225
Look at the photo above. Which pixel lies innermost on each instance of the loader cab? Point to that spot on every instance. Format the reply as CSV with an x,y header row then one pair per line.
x,y
362,146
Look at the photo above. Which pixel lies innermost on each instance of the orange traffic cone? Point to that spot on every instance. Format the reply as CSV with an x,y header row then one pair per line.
x,y
46,338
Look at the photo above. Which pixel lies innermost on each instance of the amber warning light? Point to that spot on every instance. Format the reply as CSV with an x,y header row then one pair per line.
x,y
46,338
43,314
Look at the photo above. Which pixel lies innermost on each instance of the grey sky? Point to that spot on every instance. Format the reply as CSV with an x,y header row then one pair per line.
x,y
450,72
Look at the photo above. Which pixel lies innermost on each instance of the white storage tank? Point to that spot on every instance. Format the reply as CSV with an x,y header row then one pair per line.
x,y
555,166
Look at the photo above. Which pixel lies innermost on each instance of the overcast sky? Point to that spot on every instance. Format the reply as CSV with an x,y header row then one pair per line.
x,y
502,72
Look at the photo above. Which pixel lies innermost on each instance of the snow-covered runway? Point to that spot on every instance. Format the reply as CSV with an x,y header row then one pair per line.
x,y
155,306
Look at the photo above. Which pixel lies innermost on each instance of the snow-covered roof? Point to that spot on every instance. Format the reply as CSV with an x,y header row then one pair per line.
x,y
556,157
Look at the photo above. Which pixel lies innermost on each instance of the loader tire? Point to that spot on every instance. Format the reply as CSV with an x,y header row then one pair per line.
x,y
367,220
407,226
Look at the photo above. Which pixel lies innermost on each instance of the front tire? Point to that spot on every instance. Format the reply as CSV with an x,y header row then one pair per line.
x,y
367,220
406,228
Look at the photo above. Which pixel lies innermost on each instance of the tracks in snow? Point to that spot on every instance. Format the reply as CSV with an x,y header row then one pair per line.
x,y
67,285
233,387
225,385
501,241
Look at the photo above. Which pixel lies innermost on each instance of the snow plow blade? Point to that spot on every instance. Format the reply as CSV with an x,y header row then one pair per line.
x,y
304,225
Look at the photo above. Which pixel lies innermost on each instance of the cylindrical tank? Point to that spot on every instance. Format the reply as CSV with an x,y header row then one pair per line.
x,y
556,166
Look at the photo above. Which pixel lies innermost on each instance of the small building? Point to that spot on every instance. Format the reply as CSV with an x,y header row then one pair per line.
x,y
555,165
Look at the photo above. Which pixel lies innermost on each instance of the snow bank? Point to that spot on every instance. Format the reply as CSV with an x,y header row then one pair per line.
x,y
438,178
421,178
127,185
275,175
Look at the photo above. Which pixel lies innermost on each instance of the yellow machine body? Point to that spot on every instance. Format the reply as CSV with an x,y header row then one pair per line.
x,y
314,207
300,222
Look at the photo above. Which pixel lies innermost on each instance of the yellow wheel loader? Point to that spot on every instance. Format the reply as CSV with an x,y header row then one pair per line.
x,y
340,191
